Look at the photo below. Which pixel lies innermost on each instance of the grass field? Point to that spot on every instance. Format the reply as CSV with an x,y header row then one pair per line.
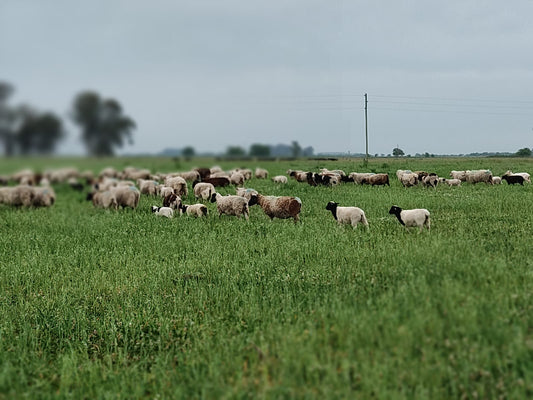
x,y
104,304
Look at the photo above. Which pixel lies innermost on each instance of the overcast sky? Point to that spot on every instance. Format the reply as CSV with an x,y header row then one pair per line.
x,y
442,77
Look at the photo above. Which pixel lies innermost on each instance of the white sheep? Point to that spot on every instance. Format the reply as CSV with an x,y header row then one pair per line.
x,y
179,185
203,190
21,195
358,177
163,211
246,193
279,179
43,196
261,173
127,196
347,215
452,182
194,210
430,180
461,175
237,179
418,217
164,191
480,175
231,205
147,186
104,199
496,180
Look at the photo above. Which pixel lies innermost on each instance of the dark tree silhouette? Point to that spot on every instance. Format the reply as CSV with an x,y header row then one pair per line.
x,y
235,151
296,149
38,133
7,120
259,150
525,152
188,152
397,152
104,126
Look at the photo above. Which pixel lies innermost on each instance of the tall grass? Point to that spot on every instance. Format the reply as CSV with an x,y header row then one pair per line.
x,y
102,304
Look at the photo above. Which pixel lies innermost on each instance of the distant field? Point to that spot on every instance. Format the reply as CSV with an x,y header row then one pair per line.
x,y
105,304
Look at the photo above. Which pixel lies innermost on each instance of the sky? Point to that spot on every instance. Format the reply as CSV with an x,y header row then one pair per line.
x,y
451,77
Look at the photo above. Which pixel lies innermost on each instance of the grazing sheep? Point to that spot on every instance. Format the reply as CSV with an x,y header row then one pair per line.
x,y
108,172
278,207
377,179
452,182
179,185
300,176
358,177
217,181
461,175
347,215
194,210
418,217
105,199
430,180
203,190
21,195
408,179
164,191
163,211
189,176
147,186
246,193
513,179
496,180
127,196
525,175
279,179
172,200
237,179
261,173
231,205
204,172
477,176
43,196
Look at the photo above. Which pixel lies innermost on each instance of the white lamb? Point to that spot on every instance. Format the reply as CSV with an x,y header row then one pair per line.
x,y
418,217
347,215
279,179
163,211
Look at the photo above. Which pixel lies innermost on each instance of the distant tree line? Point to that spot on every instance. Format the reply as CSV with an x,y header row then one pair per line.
x,y
25,130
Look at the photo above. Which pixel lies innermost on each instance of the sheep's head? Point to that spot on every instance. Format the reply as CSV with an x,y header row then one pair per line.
x,y
213,198
253,200
395,210
331,206
155,209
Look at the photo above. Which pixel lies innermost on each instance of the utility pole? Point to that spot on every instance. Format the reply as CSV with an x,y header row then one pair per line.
x,y
366,126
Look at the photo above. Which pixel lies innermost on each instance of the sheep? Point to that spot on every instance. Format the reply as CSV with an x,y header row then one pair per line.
x,y
195,210
21,195
496,180
179,185
377,179
237,179
278,207
135,174
525,175
108,172
300,176
358,177
279,179
461,175
147,186
408,179
347,215
452,182
204,172
430,180
172,200
163,211
481,175
105,199
261,173
246,193
513,179
231,205
203,190
43,196
418,217
217,181
189,176
164,191
127,196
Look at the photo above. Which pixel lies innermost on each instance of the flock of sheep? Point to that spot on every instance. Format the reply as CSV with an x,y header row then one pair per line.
x,y
112,189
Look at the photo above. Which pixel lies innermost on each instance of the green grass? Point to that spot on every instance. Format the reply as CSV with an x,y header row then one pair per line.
x,y
103,304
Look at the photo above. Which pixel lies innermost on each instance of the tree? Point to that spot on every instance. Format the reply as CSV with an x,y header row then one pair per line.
x,y
259,150
188,152
235,151
296,149
7,120
396,152
104,126
525,152
38,133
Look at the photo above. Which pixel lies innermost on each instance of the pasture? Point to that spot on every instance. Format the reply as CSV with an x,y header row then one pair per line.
x,y
123,304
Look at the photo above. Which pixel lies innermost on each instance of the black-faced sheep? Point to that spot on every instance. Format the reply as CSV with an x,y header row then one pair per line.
x,y
247,193
278,207
163,211
525,175
172,200
418,217
513,179
347,215
231,205
194,210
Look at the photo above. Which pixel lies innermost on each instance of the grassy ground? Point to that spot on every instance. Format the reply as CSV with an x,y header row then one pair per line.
x,y
103,304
